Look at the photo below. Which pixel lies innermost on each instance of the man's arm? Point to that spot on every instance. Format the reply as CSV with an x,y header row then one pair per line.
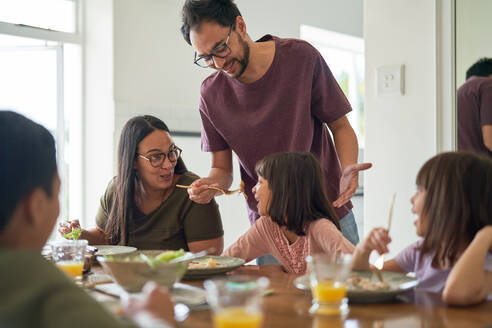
x,y
348,150
345,141
220,175
487,136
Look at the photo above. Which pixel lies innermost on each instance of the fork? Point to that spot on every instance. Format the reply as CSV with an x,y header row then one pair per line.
x,y
380,261
224,192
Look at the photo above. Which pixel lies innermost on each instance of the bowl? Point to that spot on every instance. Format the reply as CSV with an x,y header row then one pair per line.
x,y
131,273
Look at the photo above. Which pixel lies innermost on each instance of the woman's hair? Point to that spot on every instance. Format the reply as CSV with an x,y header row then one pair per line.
x,y
134,131
457,204
298,195
28,161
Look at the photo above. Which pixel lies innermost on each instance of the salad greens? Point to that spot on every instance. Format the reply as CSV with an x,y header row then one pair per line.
x,y
74,234
163,257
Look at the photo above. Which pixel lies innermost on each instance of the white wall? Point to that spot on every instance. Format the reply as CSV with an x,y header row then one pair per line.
x,y
154,74
473,35
400,130
98,112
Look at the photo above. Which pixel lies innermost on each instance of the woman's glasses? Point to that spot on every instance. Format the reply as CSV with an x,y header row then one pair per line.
x,y
157,159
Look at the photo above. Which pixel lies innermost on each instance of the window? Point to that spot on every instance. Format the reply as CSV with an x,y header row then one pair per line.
x,y
344,54
41,79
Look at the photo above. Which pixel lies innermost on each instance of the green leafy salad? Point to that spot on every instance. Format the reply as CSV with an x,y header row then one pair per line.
x,y
74,234
164,257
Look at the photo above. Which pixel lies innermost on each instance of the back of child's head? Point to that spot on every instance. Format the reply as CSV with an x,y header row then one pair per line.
x,y
298,192
458,202
28,161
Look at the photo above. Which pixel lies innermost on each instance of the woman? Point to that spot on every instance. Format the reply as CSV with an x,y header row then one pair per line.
x,y
142,206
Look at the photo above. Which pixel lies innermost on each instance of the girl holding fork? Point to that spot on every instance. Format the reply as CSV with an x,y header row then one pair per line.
x,y
454,209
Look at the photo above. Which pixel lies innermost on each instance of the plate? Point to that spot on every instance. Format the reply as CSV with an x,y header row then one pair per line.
x,y
399,283
224,264
103,250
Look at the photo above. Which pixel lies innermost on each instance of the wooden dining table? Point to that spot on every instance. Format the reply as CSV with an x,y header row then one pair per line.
x,y
288,306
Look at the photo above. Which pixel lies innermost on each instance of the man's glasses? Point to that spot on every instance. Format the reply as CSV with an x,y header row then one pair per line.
x,y
221,51
157,159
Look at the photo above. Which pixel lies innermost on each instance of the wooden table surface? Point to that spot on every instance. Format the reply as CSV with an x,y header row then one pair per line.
x,y
288,307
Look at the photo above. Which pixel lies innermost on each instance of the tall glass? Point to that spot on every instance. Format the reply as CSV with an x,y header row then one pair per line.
x,y
68,256
328,274
236,302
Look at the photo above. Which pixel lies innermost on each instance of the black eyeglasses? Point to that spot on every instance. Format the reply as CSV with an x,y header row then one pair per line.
x,y
157,159
221,51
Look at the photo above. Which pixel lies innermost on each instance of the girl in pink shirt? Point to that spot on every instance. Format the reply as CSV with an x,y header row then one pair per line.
x,y
454,208
296,220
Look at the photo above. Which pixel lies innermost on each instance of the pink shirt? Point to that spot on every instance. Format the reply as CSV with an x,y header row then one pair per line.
x,y
266,237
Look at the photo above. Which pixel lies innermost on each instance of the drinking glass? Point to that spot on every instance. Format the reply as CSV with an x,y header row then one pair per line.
x,y
68,256
327,275
236,302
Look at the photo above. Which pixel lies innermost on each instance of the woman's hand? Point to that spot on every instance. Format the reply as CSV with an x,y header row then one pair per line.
x,y
200,193
67,226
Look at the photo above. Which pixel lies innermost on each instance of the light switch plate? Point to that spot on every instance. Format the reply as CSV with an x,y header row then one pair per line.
x,y
390,80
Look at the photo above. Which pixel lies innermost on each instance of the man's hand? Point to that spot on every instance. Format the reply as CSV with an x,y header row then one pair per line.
x,y
349,182
199,192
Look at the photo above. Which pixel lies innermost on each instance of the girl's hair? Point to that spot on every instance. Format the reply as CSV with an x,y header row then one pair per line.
x,y
458,202
298,194
134,131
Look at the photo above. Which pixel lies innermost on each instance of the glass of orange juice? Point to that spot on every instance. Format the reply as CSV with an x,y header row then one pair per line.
x,y
236,302
327,275
68,256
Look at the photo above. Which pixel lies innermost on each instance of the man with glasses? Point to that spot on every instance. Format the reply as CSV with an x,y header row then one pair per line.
x,y
267,96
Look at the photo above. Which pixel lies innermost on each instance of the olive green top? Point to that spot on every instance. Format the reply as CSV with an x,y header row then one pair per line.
x,y
175,223
34,293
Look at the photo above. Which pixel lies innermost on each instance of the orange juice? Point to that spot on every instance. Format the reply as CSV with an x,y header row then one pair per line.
x,y
329,291
237,317
71,268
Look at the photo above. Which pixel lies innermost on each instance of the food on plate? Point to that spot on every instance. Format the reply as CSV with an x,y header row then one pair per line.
x,y
203,264
366,284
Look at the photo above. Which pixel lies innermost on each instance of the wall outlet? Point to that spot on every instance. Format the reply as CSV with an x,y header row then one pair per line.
x,y
390,80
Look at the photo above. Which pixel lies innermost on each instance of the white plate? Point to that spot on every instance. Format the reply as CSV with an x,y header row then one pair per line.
x,y
399,283
103,250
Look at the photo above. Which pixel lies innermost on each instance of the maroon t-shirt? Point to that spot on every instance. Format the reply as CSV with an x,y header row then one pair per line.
x,y
474,111
282,111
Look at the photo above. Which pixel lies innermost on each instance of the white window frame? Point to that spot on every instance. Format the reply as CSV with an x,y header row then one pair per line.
x,y
76,38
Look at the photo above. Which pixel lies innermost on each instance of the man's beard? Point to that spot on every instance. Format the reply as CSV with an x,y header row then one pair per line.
x,y
243,63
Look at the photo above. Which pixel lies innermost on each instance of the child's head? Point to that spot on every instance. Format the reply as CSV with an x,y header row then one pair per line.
x,y
291,191
29,182
453,202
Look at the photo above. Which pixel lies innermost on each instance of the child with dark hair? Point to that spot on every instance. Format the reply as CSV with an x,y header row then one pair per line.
x,y
296,220
454,208
34,292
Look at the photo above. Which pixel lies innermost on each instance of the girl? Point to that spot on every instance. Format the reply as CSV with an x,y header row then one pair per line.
x,y
142,207
454,208
296,218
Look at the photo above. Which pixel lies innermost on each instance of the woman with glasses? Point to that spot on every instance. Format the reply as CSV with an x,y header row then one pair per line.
x,y
142,206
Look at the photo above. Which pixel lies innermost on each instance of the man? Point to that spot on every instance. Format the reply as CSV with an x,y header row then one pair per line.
x,y
267,96
475,108
34,292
